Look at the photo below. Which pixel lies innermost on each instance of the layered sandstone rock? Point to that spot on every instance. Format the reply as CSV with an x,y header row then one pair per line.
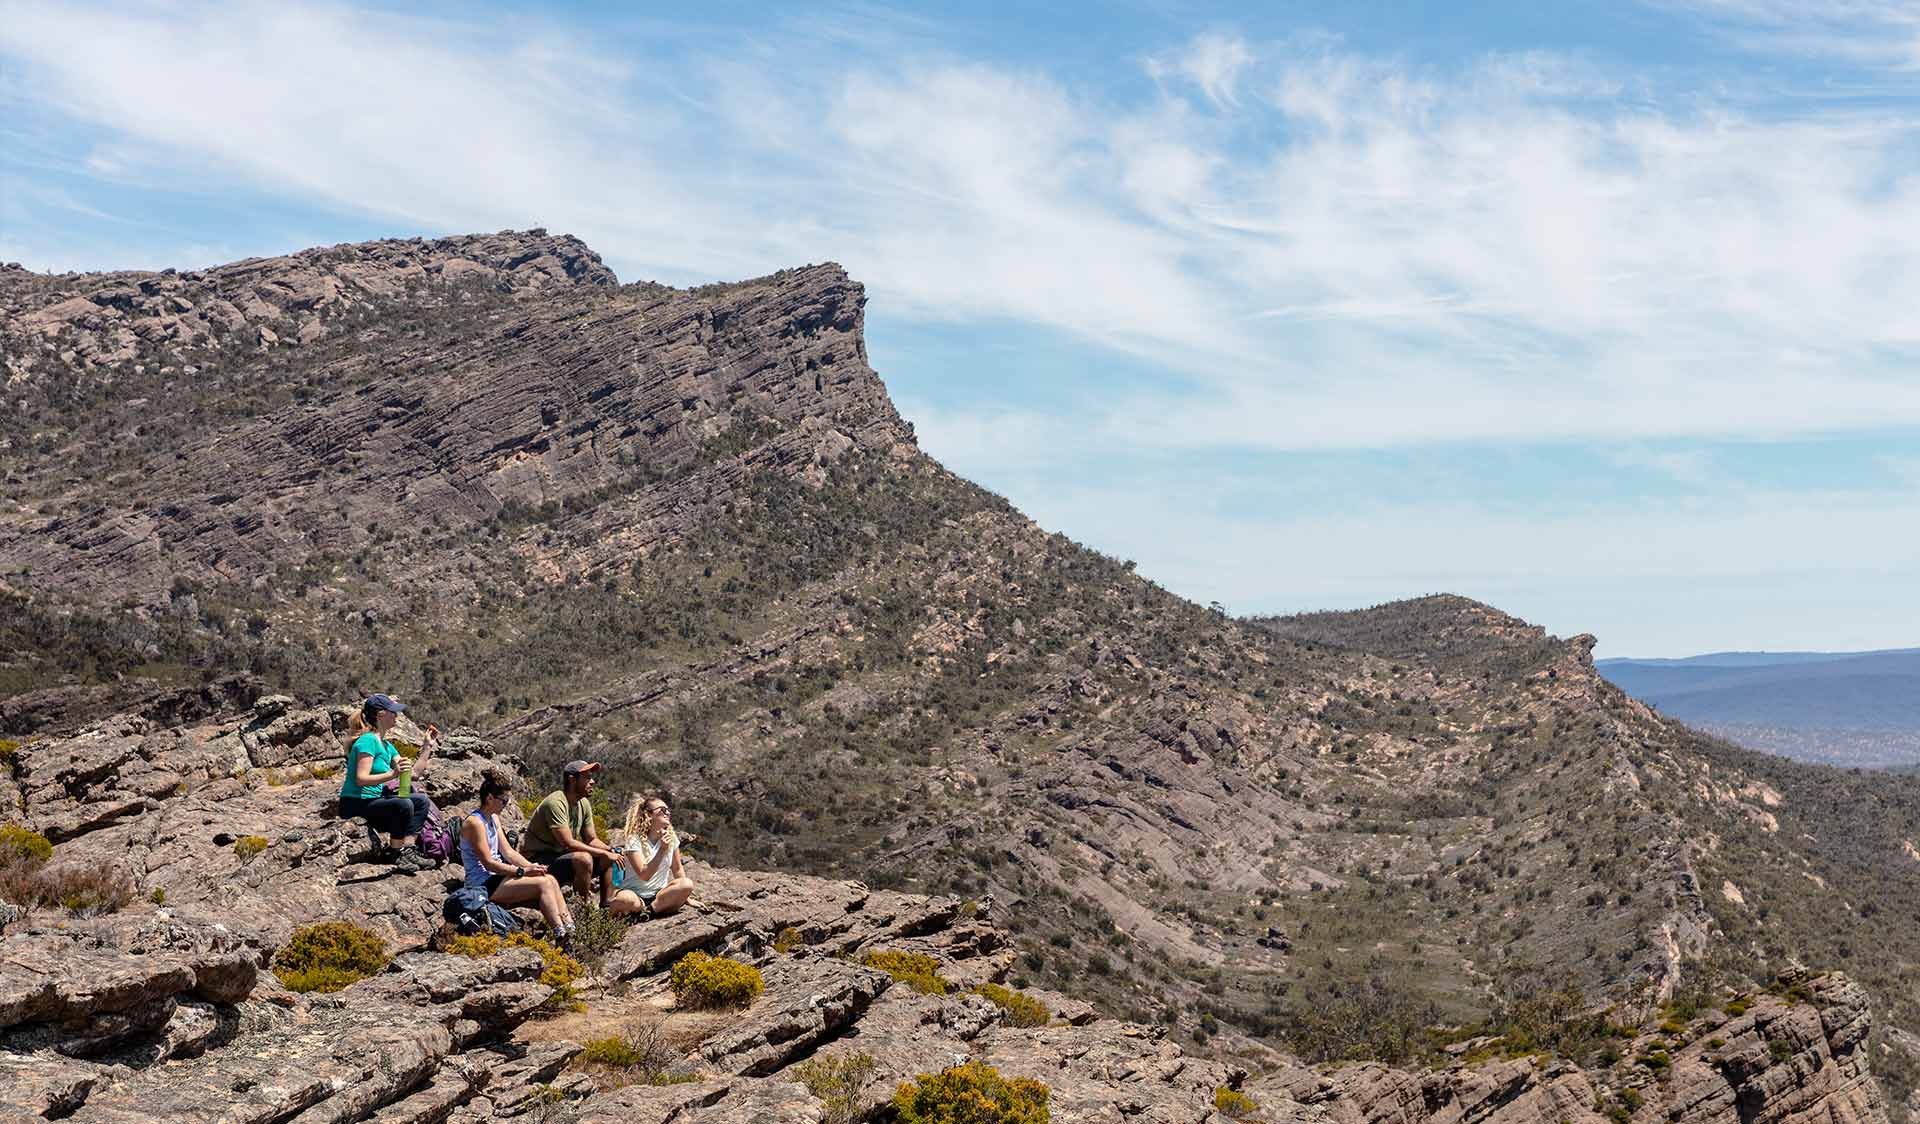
x,y
103,320
168,1009
573,391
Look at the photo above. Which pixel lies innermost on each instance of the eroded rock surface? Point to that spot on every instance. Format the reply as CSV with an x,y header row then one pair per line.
x,y
168,1009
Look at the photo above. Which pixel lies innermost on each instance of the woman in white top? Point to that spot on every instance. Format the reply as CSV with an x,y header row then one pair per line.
x,y
656,882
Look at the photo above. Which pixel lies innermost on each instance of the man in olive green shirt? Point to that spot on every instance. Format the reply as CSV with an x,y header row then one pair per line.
x,y
560,834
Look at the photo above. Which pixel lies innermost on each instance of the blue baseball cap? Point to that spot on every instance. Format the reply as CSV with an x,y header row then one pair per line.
x,y
384,702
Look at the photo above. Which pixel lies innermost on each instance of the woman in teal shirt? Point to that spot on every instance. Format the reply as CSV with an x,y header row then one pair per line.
x,y
372,761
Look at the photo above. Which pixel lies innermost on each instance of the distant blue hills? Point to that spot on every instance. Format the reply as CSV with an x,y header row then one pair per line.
x,y
1841,707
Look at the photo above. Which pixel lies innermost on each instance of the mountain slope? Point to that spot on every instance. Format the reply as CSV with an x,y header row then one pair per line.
x,y
685,532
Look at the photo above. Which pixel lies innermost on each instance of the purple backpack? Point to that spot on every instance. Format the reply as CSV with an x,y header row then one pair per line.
x,y
437,840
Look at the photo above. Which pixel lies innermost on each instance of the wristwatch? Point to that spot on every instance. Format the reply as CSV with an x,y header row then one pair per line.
x,y
519,871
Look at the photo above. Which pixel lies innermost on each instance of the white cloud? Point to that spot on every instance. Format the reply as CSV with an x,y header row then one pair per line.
x,y
1326,249
1213,61
1872,32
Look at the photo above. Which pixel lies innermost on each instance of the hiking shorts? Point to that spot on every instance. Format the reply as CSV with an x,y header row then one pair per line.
x,y
561,866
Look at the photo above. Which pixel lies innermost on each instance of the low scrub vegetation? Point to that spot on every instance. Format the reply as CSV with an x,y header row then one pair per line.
x,y
974,1093
1234,1103
22,845
1021,1009
329,956
916,970
642,1055
558,970
838,1082
699,981
31,879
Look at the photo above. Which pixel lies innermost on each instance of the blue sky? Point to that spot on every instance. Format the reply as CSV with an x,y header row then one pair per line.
x,y
1605,314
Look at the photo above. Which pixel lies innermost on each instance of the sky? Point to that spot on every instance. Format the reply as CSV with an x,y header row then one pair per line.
x,y
1605,314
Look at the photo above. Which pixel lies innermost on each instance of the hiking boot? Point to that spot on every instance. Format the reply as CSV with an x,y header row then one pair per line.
x,y
411,861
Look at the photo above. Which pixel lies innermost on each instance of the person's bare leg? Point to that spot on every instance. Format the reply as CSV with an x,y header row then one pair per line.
x,y
602,872
673,895
536,890
582,868
625,903
550,887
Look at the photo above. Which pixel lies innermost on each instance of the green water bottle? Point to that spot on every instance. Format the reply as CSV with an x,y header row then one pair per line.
x,y
406,783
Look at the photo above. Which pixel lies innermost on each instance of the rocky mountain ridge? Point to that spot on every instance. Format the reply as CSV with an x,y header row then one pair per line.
x,y
686,532
169,1007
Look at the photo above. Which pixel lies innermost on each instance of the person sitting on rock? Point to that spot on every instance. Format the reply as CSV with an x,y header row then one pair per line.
x,y
372,761
656,881
560,833
508,877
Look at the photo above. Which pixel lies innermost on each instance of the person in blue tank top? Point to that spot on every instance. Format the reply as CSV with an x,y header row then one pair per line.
x,y
372,761
493,865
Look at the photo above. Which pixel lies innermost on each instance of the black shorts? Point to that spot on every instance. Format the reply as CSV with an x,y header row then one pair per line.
x,y
493,882
561,867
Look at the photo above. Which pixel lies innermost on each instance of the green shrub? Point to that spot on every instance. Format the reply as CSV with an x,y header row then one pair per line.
x,y
838,1083
1232,1102
1022,1009
329,956
476,947
616,1051
557,970
159,895
596,931
1657,1060
8,750
29,879
1780,1049
644,1056
248,846
917,970
1633,1099
23,845
787,941
700,980
974,1093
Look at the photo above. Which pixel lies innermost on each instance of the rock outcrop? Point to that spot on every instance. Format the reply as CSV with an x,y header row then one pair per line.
x,y
104,320
558,390
1802,1059
168,1009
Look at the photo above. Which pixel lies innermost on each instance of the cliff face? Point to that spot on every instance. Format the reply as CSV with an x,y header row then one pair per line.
x,y
168,1008
545,386
686,533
